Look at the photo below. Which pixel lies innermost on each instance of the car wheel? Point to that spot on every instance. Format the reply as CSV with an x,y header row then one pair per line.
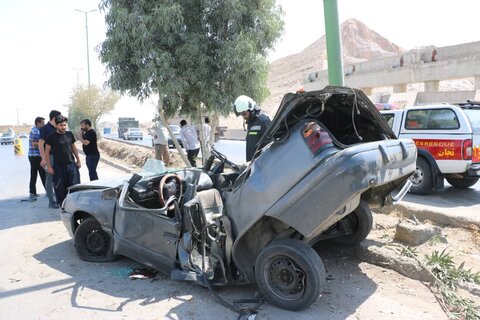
x,y
462,183
92,243
290,274
422,180
357,224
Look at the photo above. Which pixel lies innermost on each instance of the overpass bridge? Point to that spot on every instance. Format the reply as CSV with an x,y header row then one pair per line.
x,y
428,65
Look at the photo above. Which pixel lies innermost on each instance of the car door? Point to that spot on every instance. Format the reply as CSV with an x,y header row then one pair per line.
x,y
145,235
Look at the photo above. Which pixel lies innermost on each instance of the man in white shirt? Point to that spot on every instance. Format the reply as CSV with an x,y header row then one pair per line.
x,y
206,132
160,143
190,141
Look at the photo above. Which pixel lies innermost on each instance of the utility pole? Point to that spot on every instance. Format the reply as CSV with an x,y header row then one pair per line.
x,y
88,49
334,43
18,119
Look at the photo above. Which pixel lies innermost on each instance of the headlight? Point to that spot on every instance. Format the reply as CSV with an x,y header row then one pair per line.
x,y
110,194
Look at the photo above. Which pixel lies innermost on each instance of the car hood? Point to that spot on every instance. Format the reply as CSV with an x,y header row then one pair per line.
x,y
100,184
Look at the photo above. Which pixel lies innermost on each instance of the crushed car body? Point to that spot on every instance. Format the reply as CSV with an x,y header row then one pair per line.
x,y
328,157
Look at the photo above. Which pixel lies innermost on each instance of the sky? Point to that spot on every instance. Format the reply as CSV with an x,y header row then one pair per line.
x,y
43,44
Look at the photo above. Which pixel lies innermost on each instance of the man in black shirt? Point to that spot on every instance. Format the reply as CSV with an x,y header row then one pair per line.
x,y
65,172
44,133
88,137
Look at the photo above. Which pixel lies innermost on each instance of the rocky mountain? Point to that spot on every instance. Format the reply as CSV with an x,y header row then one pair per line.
x,y
359,43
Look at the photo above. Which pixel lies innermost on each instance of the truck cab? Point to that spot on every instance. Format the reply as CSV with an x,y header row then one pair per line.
x,y
448,142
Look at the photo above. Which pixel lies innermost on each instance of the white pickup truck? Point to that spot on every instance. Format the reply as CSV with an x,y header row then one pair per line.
x,y
448,142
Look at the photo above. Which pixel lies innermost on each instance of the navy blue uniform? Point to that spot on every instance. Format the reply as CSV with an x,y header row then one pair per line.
x,y
257,125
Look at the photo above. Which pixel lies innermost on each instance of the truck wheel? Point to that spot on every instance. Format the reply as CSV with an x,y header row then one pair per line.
x,y
422,178
359,222
92,243
290,274
462,183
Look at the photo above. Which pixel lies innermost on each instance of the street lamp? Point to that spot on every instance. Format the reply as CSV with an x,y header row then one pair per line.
x,y
86,32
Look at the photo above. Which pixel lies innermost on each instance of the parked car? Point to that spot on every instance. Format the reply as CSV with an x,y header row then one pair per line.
x,y
448,141
133,134
328,157
23,135
7,137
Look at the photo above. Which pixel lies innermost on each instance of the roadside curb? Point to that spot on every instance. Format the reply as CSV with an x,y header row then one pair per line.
x,y
111,163
436,217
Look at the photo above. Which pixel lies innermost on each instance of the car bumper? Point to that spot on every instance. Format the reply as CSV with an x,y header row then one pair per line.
x,y
474,170
66,218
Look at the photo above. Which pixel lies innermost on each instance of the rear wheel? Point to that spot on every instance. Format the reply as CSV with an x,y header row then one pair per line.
x,y
92,243
357,226
462,183
290,274
422,179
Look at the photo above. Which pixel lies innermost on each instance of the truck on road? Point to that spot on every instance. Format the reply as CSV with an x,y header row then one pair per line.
x,y
124,123
448,141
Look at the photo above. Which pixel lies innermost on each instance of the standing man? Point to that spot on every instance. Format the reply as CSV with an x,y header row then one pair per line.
x,y
44,133
88,138
160,143
65,172
206,131
35,158
190,141
257,123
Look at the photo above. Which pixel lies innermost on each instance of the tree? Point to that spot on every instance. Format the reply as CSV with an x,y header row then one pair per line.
x,y
190,52
89,104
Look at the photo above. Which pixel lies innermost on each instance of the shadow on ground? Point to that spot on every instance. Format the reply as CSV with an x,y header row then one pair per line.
x,y
347,288
20,211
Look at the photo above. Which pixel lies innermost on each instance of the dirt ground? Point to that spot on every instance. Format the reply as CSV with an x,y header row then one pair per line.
x,y
44,279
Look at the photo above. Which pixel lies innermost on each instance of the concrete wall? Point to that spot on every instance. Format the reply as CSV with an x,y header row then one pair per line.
x,y
448,97
452,62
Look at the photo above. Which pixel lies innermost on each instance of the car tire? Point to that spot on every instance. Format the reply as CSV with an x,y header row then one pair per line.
x,y
422,178
92,242
462,183
290,274
360,221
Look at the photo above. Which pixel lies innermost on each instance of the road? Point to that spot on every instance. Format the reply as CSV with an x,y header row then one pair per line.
x,y
42,277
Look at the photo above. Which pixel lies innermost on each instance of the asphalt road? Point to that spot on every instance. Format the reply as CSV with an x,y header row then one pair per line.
x,y
42,277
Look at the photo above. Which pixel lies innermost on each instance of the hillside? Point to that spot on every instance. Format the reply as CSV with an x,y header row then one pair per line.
x,y
359,43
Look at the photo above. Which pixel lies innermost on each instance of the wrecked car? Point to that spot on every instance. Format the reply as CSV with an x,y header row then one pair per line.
x,y
328,158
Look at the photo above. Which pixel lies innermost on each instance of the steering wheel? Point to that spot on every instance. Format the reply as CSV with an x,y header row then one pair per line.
x,y
170,185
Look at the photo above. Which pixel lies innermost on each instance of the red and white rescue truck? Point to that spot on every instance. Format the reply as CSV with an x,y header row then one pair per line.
x,y
448,142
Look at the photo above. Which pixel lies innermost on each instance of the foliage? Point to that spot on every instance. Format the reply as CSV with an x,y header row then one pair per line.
x,y
446,277
89,104
409,252
190,51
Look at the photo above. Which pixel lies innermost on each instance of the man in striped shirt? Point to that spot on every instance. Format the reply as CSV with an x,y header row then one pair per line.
x,y
35,158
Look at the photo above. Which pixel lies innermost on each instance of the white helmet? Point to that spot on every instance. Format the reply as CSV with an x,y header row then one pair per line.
x,y
242,104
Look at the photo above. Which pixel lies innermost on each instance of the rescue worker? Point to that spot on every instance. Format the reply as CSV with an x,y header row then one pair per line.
x,y
257,123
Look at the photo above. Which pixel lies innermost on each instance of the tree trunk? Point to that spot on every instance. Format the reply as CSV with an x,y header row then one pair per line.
x,y
202,135
161,114
214,124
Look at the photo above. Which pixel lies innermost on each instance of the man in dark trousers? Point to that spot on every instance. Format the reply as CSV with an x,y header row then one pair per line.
x,y
190,141
88,138
257,123
44,133
35,158
65,172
